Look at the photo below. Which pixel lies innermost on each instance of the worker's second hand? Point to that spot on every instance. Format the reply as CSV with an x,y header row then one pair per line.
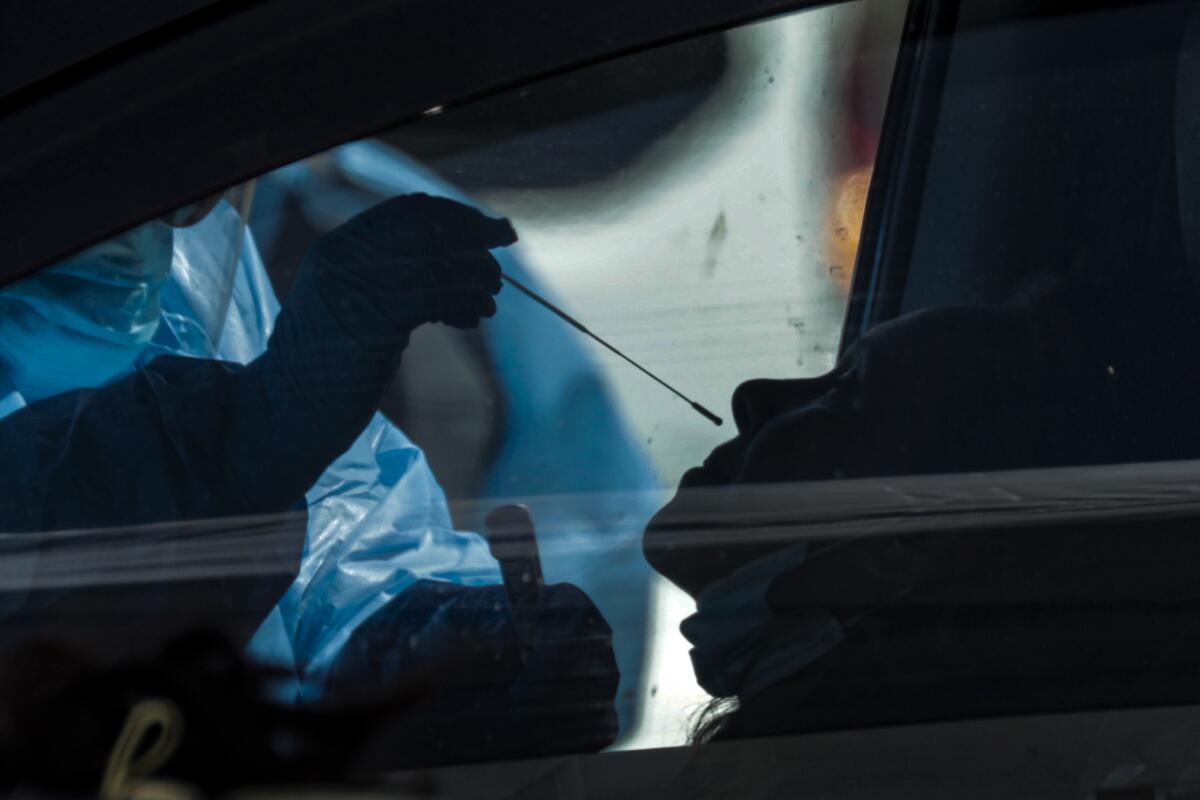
x,y
516,284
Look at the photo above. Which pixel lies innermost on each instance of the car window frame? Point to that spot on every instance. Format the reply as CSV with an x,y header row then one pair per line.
x,y
238,100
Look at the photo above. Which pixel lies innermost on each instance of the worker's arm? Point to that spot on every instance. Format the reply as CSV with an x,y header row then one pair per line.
x,y
187,438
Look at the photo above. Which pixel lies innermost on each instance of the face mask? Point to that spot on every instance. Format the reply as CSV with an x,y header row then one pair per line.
x,y
83,321
196,299
741,646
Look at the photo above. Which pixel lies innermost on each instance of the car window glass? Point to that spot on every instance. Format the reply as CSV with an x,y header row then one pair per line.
x,y
313,441
698,206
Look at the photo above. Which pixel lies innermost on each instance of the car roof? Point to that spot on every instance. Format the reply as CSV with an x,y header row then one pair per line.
x,y
111,114
45,38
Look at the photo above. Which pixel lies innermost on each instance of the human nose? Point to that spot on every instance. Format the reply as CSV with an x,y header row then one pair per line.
x,y
758,401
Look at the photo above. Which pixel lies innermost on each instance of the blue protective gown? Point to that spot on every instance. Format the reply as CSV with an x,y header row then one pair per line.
x,y
566,452
377,518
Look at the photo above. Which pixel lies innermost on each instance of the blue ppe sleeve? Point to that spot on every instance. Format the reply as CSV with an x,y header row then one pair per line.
x,y
292,426
567,451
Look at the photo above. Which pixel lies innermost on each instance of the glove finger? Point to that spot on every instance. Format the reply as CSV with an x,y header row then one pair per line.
x,y
418,224
471,313
488,307
478,270
464,310
410,278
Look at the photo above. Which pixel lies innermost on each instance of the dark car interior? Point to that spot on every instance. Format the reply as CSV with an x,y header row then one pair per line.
x,y
1036,156
1066,126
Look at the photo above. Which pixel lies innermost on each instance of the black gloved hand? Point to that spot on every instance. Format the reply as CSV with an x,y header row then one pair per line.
x,y
488,699
362,289
407,261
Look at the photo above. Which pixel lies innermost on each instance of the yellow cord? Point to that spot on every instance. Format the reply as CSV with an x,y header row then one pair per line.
x,y
126,777
129,776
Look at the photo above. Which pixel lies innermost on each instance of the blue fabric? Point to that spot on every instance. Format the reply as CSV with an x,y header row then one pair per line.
x,y
83,321
378,521
566,452
377,517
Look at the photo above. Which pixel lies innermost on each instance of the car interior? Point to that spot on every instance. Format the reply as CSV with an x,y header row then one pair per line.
x,y
1039,157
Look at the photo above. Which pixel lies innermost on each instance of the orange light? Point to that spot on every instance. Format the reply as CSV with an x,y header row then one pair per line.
x,y
846,209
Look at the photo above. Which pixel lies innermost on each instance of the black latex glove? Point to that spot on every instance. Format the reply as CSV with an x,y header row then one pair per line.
x,y
407,261
489,697
362,289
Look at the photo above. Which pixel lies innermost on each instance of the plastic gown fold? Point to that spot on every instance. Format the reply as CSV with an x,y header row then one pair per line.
x,y
566,452
377,517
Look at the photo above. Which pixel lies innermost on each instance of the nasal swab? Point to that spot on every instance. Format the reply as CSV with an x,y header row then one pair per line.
x,y
516,284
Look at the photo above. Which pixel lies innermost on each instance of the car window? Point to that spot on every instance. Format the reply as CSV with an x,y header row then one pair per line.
x,y
404,455
982,510
698,207
711,235
338,439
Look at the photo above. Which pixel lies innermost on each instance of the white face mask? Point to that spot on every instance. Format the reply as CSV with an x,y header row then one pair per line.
x,y
84,321
739,645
